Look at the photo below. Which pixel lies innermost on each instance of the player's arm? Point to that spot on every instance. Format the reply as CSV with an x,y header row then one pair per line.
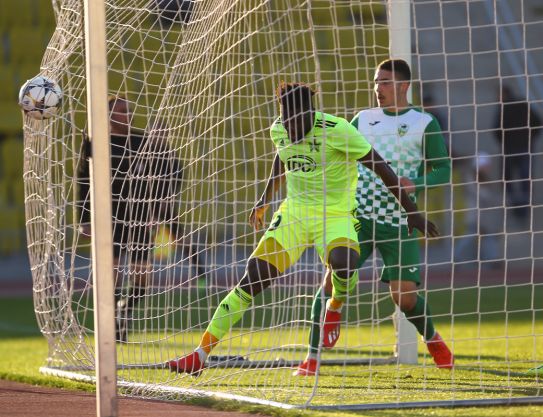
x,y
275,180
415,220
435,153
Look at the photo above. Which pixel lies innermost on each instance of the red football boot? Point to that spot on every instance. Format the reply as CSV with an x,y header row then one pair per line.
x,y
440,352
331,328
189,364
306,368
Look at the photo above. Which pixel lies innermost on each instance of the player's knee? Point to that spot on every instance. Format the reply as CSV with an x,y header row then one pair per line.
x,y
343,261
258,276
405,301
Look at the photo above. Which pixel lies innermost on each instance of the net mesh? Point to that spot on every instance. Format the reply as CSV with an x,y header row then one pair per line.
x,y
200,77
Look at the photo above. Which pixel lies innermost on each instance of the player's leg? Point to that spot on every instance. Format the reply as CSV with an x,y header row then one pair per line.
x,y
416,310
401,257
309,366
365,239
119,238
340,239
138,252
343,261
190,251
121,333
268,261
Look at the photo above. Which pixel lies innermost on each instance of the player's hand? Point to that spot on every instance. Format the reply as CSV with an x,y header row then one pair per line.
x,y
418,221
256,218
407,185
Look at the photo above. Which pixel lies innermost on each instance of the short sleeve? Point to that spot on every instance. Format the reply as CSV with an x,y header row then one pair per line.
x,y
347,139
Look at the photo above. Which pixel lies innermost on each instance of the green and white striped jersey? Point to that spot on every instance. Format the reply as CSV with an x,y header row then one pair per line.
x,y
408,141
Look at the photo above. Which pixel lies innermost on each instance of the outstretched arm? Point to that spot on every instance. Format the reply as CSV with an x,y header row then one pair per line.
x,y
275,180
415,220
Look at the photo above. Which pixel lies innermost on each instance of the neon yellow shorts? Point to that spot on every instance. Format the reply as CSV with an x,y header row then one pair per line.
x,y
296,228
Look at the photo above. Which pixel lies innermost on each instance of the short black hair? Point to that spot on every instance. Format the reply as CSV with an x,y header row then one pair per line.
x,y
295,95
399,67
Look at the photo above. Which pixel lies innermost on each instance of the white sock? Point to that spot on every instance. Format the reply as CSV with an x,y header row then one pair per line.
x,y
427,340
202,355
332,309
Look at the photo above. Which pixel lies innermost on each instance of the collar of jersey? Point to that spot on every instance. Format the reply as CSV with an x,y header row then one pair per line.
x,y
391,113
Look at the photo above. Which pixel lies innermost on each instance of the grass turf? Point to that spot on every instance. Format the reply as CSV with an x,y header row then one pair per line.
x,y
481,348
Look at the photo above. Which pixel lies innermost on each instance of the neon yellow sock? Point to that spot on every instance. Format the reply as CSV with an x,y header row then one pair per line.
x,y
229,312
343,287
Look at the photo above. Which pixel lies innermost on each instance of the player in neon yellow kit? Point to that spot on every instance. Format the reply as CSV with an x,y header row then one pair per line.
x,y
316,156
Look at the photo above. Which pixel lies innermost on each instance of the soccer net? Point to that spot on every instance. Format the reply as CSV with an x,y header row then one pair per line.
x,y
200,77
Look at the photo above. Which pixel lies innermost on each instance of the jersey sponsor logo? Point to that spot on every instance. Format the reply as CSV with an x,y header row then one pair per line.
x,y
402,129
374,123
275,224
301,163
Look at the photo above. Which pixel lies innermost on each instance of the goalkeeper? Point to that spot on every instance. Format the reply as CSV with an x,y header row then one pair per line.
x,y
145,177
410,140
316,156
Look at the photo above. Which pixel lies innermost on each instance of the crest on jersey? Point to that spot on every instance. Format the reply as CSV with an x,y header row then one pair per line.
x,y
402,129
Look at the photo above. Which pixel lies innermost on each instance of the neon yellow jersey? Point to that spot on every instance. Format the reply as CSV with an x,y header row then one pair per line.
x,y
321,168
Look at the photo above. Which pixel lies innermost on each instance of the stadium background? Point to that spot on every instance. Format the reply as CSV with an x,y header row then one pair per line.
x,y
25,28
461,69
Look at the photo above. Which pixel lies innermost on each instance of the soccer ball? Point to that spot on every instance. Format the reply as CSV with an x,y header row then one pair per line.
x,y
40,97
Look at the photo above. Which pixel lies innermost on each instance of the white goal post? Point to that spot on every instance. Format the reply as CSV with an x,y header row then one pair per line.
x,y
101,215
169,205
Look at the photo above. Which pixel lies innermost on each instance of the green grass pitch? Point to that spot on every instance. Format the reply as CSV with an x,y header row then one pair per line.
x,y
494,350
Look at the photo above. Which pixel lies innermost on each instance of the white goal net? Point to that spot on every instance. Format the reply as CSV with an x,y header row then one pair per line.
x,y
200,79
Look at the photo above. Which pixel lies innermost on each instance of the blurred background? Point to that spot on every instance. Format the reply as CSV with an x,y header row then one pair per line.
x,y
25,29
464,55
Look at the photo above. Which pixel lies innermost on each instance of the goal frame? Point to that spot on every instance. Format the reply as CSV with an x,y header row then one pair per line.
x,y
398,12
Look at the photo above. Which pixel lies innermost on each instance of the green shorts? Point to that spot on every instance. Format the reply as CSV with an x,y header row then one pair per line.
x,y
400,252
296,228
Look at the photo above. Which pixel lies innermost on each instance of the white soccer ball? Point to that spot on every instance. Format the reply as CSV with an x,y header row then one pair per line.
x,y
40,97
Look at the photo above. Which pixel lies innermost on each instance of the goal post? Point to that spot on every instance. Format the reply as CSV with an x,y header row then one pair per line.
x,y
192,156
100,199
399,18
